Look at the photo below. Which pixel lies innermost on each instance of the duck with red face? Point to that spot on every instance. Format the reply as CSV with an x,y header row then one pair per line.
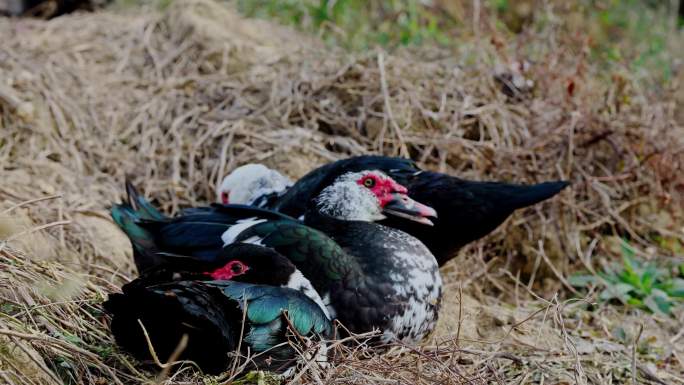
x,y
390,279
207,301
368,276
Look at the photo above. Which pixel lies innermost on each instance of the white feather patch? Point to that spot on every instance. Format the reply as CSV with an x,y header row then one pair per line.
x,y
328,305
230,235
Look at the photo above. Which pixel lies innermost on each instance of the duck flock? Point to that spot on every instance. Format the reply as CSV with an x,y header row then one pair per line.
x,y
357,241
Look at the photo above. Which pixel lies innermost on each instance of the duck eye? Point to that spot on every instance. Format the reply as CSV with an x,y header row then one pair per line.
x,y
369,182
236,268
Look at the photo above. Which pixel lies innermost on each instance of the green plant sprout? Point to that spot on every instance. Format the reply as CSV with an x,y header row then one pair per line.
x,y
641,284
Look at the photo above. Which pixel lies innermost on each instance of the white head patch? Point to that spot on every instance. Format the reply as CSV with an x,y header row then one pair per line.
x,y
347,200
249,182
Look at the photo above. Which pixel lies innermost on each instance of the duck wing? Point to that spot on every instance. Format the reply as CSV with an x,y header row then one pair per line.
x,y
313,252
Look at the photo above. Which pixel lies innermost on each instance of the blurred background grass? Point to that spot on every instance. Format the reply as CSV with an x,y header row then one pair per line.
x,y
626,33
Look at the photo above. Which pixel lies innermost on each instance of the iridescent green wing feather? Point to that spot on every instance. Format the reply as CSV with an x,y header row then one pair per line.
x,y
265,304
315,254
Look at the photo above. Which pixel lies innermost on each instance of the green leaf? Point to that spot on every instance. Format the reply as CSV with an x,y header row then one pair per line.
x,y
72,338
583,280
7,308
658,302
617,291
609,276
676,288
627,251
631,278
647,279
635,302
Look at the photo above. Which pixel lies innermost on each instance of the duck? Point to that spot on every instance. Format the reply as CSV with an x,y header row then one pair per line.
x,y
208,302
467,210
393,279
369,276
253,184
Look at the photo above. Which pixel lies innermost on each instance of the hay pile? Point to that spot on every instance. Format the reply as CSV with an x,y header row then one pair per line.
x,y
178,98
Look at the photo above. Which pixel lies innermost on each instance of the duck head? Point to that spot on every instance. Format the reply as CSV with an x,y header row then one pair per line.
x,y
245,262
369,196
247,183
256,264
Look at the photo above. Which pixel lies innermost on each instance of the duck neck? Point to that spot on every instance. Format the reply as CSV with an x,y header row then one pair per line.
x,y
342,265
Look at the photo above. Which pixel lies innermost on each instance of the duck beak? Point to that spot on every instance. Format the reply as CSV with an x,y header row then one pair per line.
x,y
400,205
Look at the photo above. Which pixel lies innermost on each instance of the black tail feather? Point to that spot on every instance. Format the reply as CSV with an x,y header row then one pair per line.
x,y
131,194
527,195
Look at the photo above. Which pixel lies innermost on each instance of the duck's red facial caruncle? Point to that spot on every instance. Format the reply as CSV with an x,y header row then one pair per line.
x,y
394,200
381,187
229,270
225,197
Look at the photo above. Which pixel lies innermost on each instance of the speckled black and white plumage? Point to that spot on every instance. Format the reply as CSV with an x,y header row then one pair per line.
x,y
397,287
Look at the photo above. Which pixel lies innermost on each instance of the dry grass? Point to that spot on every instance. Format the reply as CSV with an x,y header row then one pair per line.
x,y
180,97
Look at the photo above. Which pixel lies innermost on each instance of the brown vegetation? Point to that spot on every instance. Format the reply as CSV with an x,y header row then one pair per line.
x,y
178,98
